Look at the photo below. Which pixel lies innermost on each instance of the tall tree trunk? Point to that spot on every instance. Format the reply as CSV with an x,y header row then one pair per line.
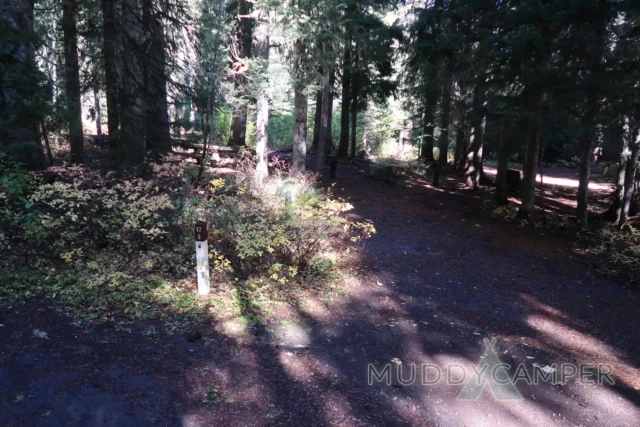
x,y
45,137
72,80
316,121
354,103
299,155
96,106
630,172
324,121
262,107
443,143
530,167
132,131
461,127
354,125
300,130
343,148
502,187
629,184
109,34
19,118
155,75
458,160
430,103
616,207
473,164
589,125
243,36
329,143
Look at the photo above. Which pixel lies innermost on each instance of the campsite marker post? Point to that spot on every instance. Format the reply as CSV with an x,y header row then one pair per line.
x,y
202,258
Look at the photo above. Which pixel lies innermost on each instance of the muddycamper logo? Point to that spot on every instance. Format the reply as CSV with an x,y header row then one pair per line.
x,y
490,372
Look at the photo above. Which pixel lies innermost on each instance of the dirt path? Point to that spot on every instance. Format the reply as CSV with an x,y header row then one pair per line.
x,y
431,285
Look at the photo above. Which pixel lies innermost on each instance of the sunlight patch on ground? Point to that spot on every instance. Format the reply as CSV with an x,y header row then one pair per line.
x,y
559,182
585,349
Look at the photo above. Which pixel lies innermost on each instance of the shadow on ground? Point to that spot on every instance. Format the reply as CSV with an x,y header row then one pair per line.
x,y
426,289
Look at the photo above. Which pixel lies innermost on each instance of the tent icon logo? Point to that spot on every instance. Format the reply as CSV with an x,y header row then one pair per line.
x,y
493,372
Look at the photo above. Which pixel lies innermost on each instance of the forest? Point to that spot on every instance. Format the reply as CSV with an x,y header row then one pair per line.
x,y
248,212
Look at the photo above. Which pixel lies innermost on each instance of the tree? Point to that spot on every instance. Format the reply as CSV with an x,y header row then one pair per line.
x,y
72,80
155,79
240,50
21,85
473,164
109,35
343,146
261,49
132,90
443,143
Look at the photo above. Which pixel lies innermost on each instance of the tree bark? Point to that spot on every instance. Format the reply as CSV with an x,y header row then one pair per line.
x,y
262,107
299,130
616,207
18,133
473,164
458,161
589,124
630,173
530,167
343,148
502,188
430,103
354,104
324,122
96,106
316,122
109,33
443,143
45,137
72,80
299,155
329,143
243,36
132,131
155,75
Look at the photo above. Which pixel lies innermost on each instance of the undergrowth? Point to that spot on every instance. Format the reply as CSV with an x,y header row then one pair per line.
x,y
115,248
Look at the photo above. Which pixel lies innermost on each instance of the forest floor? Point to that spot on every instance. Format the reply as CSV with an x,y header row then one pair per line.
x,y
440,275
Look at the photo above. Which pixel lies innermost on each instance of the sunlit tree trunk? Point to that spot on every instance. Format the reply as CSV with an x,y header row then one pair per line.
x,y
343,148
243,34
262,107
109,32
329,136
618,195
316,121
631,170
354,103
299,111
324,121
473,165
72,80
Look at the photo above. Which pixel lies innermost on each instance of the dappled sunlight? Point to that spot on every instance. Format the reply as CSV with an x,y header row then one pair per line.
x,y
585,349
556,181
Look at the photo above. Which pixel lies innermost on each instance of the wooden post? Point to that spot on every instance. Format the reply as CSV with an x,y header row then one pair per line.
x,y
202,258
